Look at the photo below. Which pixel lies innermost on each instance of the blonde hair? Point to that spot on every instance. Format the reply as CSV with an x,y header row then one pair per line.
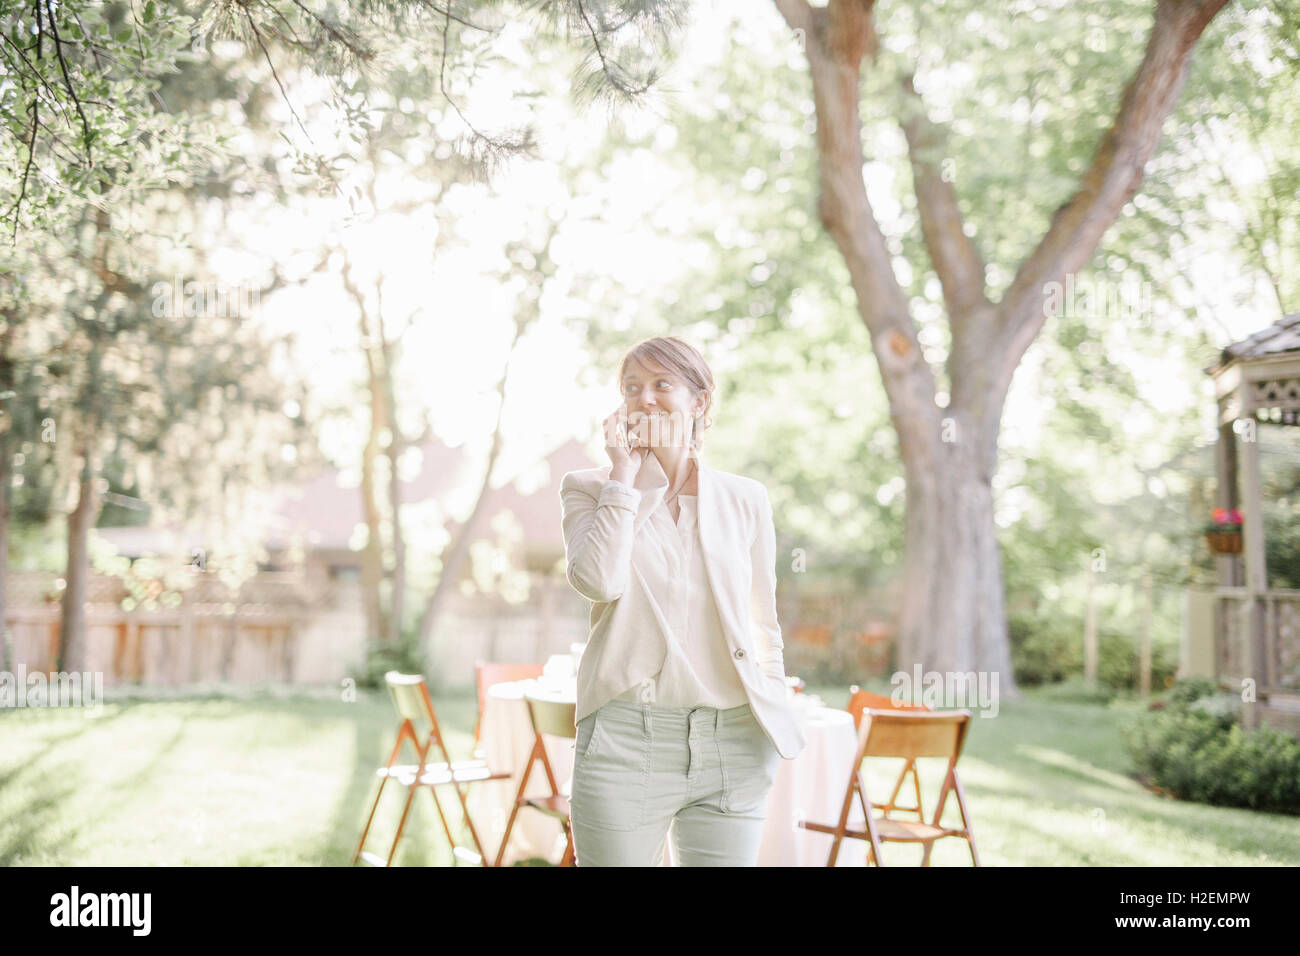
x,y
683,360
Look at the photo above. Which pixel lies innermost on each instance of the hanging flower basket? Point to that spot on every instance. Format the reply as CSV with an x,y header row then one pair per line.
x,y
1224,532
1224,542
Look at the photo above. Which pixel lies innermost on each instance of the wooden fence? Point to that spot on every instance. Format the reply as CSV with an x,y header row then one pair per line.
x,y
309,629
216,634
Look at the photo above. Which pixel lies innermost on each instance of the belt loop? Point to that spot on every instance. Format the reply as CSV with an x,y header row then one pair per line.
x,y
644,698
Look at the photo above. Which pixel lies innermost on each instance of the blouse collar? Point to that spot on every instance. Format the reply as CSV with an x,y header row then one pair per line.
x,y
651,474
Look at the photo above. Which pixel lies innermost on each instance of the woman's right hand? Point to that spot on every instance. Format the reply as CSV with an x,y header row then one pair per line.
x,y
624,458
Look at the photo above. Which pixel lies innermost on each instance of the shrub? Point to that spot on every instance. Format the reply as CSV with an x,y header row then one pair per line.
x,y
406,656
1044,650
1189,689
1195,748
1118,659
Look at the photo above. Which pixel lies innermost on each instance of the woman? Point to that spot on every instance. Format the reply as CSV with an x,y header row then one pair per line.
x,y
682,711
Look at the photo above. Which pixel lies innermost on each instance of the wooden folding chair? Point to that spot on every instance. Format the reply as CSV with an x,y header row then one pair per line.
x,y
414,706
907,734
860,700
554,718
487,673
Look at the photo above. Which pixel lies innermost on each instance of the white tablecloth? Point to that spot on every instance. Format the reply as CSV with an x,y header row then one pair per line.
x,y
811,786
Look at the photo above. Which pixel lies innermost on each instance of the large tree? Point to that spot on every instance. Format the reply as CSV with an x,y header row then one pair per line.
x,y
953,616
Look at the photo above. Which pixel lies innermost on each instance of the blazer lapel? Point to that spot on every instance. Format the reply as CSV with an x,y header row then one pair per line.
x,y
717,531
720,537
652,481
715,523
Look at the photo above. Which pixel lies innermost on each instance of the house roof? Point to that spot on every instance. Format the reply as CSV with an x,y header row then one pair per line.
x,y
323,513
1282,336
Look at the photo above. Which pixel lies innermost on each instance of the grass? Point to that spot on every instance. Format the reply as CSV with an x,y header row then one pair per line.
x,y
264,777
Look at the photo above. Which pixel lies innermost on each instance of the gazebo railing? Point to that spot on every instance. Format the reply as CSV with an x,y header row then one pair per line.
x,y
1231,630
1280,670
1282,640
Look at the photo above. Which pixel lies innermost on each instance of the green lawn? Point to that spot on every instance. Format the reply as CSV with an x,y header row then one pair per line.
x,y
266,778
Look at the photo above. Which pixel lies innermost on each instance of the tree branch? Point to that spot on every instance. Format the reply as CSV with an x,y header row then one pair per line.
x,y
798,14
1110,181
67,82
27,169
953,254
836,38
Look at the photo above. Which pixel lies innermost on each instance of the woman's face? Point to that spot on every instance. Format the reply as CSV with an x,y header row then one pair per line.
x,y
659,405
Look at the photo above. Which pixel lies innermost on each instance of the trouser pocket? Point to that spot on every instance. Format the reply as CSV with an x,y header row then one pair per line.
x,y
610,774
750,761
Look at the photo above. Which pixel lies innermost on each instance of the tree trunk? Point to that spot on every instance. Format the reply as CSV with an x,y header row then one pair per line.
x,y
396,446
6,483
952,616
72,622
372,555
7,382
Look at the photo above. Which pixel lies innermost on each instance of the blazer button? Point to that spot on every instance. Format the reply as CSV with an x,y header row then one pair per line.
x,y
740,653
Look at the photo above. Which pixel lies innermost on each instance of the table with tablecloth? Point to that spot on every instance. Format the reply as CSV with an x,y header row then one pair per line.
x,y
811,786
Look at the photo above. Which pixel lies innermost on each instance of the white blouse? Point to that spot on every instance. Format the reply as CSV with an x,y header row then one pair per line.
x,y
698,670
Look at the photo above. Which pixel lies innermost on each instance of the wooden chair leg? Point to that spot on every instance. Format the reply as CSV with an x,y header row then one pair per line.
x,y
402,734
446,828
916,786
843,823
505,837
871,823
567,859
892,805
965,820
462,796
519,801
469,822
370,819
392,758
410,796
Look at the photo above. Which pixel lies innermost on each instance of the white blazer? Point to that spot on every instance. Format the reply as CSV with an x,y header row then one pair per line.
x,y
738,540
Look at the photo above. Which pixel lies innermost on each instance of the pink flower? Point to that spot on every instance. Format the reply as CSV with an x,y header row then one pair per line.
x,y
1220,515
1234,516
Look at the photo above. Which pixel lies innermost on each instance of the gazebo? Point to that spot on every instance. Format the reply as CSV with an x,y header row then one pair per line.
x,y
1256,629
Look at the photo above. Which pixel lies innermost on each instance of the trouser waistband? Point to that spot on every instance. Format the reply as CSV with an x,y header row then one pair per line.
x,y
668,717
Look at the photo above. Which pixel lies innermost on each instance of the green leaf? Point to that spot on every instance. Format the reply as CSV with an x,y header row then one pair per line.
x,y
148,12
124,35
